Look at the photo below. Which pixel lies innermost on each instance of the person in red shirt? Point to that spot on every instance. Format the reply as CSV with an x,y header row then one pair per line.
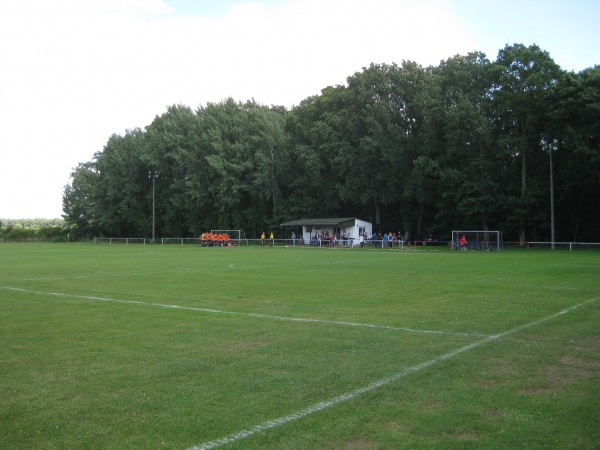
x,y
463,244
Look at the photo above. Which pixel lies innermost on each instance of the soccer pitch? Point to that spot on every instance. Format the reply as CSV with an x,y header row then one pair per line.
x,y
181,347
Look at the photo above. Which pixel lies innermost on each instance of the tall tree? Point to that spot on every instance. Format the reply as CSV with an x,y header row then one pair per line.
x,y
269,142
171,157
246,148
81,205
313,134
374,126
575,123
123,186
458,118
521,95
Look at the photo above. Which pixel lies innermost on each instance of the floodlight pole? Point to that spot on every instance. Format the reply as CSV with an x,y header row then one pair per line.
x,y
551,146
153,210
551,199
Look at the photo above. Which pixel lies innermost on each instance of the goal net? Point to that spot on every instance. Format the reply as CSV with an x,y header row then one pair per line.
x,y
477,240
238,237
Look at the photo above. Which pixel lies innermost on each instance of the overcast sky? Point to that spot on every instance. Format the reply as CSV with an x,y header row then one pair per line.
x,y
73,72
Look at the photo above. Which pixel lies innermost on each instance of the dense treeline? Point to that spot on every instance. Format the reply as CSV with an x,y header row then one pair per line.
x,y
33,229
411,149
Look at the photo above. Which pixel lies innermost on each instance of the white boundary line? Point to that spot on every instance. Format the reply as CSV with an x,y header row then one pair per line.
x,y
373,386
335,400
256,315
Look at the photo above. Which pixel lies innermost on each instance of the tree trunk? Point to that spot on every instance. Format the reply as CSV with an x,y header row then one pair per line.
x,y
377,212
420,217
407,226
522,226
273,194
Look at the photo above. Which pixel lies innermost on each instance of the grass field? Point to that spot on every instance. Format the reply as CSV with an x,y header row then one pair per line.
x,y
179,347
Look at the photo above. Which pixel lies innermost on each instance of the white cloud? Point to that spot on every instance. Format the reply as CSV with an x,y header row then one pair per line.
x,y
76,71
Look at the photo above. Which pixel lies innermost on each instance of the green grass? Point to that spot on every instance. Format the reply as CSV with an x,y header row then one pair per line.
x,y
130,346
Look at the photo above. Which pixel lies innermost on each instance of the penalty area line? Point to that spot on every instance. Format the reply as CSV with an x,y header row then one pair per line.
x,y
235,437
236,313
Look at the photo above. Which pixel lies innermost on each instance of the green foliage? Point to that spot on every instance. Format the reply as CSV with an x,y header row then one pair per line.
x,y
422,150
575,121
33,229
522,99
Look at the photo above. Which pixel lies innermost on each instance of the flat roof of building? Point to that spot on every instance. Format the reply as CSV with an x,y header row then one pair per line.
x,y
319,221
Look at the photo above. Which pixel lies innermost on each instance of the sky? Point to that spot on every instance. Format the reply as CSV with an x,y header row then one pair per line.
x,y
74,72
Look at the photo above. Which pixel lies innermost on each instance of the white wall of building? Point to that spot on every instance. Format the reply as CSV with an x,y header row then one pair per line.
x,y
351,231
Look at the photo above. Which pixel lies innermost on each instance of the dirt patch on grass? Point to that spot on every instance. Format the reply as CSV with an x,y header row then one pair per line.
x,y
494,413
591,344
486,384
577,361
569,369
505,369
359,445
433,405
564,376
535,390
466,435
395,426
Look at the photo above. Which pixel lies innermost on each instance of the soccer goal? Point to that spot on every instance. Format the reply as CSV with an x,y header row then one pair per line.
x,y
477,240
238,237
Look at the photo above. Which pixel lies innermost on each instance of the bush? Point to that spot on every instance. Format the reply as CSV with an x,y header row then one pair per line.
x,y
18,233
36,229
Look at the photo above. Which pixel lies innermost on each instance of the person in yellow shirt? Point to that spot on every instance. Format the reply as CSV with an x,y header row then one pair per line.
x,y
262,239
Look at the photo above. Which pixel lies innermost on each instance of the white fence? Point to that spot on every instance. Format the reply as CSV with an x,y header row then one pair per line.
x,y
111,241
341,243
349,243
563,245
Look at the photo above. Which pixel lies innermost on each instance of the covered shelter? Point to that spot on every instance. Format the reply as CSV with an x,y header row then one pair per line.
x,y
327,231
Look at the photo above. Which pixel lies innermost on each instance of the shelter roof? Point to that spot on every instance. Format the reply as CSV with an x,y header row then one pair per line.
x,y
320,221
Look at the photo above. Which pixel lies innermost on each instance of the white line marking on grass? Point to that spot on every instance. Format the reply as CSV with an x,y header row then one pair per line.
x,y
353,324
373,386
235,313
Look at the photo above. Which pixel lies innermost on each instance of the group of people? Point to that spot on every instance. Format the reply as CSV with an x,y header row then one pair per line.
x,y
364,239
324,238
388,239
263,238
215,240
464,246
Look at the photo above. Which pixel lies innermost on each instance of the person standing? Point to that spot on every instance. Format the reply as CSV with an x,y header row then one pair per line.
x,y
463,244
262,239
272,239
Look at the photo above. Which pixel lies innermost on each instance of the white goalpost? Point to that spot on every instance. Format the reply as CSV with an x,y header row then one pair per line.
x,y
477,240
237,236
